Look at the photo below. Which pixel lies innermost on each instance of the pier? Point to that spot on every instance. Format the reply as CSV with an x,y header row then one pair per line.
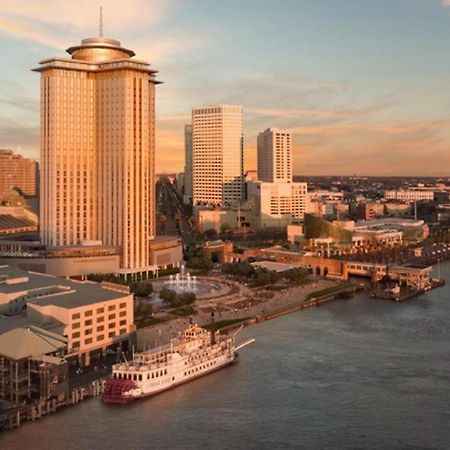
x,y
13,417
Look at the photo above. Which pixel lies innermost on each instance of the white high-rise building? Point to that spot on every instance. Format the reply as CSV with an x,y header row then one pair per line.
x,y
97,150
187,198
274,156
217,155
276,200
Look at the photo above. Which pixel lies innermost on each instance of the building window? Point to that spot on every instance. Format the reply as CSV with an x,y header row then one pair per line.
x,y
88,331
112,325
123,331
111,307
123,305
111,317
76,335
76,344
122,313
88,341
76,325
87,322
111,333
100,337
100,310
101,328
88,313
75,316
123,322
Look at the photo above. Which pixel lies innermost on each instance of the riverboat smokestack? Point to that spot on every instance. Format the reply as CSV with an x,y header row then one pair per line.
x,y
213,329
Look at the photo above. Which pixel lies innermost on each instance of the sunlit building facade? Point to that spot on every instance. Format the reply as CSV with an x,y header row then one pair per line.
x,y
18,173
217,155
98,150
274,156
187,198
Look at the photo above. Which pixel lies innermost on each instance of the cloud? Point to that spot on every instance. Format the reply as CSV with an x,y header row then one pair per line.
x,y
61,24
311,112
409,148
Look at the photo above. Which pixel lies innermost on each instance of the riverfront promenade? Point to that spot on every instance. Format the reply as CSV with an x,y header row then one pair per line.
x,y
248,304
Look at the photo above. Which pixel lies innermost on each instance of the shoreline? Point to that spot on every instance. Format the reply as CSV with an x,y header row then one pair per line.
x,y
281,303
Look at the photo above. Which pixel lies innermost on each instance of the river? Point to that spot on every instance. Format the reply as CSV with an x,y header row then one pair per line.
x,y
352,374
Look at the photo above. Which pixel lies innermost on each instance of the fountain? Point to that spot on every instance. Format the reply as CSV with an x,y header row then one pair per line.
x,y
183,281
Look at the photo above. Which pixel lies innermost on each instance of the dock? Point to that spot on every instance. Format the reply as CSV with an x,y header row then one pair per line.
x,y
13,417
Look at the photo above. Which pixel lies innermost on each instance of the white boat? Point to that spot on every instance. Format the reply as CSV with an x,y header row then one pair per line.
x,y
194,354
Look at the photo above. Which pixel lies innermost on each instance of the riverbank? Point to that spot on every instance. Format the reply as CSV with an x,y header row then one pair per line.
x,y
251,311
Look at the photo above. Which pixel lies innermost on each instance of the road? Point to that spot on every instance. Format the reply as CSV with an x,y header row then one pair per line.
x,y
173,218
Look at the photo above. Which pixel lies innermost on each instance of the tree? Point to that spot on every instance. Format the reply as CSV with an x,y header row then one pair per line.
x,y
199,263
143,309
142,289
168,295
296,276
186,298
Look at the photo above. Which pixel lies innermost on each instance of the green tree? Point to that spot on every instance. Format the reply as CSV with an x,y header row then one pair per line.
x,y
143,309
142,289
168,296
199,263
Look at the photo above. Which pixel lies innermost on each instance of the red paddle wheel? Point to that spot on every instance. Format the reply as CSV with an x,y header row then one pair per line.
x,y
114,390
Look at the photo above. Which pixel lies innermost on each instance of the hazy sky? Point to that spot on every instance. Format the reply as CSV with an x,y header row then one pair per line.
x,y
364,85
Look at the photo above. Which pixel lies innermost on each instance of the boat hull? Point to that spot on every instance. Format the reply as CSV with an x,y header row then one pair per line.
x,y
124,399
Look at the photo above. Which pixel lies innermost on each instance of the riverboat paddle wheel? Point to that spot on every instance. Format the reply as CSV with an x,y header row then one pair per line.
x,y
114,390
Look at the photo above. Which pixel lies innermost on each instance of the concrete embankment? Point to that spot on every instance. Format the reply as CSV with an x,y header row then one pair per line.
x,y
314,301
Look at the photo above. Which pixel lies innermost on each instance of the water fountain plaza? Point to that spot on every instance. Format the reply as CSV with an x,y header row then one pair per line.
x,y
185,282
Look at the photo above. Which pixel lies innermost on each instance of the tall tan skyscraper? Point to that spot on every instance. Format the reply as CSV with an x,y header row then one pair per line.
x,y
217,155
274,156
98,149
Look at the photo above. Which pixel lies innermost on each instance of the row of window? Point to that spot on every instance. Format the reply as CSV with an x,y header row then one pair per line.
x,y
99,328
140,377
99,310
197,369
100,337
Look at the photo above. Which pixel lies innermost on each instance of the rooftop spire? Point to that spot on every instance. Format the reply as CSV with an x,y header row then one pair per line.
x,y
101,22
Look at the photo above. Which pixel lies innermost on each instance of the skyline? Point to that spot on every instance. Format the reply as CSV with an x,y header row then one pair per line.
x,y
355,82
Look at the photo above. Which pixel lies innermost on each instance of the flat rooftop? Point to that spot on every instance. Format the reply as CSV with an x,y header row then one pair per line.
x,y
51,290
275,266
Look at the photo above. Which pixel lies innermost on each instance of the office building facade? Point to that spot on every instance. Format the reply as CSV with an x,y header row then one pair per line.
x,y
217,155
274,156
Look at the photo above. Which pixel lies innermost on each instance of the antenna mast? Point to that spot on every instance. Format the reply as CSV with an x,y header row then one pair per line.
x,y
101,22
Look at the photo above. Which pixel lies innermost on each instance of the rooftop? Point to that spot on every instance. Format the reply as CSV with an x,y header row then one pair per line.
x,y
28,342
51,290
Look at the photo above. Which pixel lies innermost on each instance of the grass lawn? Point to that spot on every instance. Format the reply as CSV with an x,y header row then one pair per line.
x,y
183,311
331,290
223,324
149,321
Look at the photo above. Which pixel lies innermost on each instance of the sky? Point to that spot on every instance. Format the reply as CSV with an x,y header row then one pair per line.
x,y
363,85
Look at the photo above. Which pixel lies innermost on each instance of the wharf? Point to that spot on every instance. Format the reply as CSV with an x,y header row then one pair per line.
x,y
405,293
13,417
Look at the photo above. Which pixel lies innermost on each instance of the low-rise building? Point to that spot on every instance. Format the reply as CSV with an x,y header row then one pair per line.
x,y
409,195
277,204
93,317
369,210
32,366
